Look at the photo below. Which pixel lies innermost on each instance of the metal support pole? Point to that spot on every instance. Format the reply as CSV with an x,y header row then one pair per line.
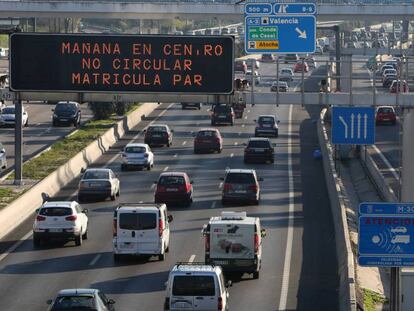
x,y
374,82
302,89
18,142
338,58
351,100
277,79
252,80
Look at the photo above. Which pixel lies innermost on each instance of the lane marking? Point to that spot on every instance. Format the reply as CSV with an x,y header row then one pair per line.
x,y
236,143
213,205
165,169
95,260
289,238
243,125
231,155
387,163
175,155
192,257
248,110
184,142
153,186
245,117
220,185
240,133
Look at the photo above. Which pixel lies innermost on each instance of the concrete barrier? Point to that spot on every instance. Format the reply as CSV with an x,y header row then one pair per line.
x,y
337,195
23,207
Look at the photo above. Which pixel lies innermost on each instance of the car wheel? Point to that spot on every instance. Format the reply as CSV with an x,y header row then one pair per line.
x,y
161,257
36,240
27,123
54,123
224,202
219,150
85,235
78,240
277,134
167,250
113,197
256,275
149,167
182,107
213,123
117,257
199,107
272,161
119,192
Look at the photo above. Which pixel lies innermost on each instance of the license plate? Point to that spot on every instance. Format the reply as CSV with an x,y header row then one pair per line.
x,y
240,191
266,125
55,230
259,150
64,120
127,246
183,305
221,262
172,189
207,141
222,117
95,185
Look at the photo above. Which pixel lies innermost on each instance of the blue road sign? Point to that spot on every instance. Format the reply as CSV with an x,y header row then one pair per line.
x,y
294,8
379,208
386,241
288,28
353,125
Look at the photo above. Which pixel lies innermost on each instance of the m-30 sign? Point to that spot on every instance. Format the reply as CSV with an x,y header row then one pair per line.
x,y
121,63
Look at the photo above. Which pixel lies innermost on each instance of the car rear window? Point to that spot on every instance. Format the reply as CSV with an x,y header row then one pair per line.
x,y
96,175
385,110
207,134
171,180
222,108
135,149
259,144
55,211
157,129
137,221
266,120
74,303
197,285
240,178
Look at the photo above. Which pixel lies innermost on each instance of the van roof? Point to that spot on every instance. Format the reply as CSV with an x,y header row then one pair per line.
x,y
129,207
192,267
232,217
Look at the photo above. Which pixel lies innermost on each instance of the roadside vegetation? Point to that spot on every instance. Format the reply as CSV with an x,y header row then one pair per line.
x,y
4,41
373,300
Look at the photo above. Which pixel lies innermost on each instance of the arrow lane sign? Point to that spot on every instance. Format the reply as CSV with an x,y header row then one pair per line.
x,y
302,34
365,125
359,125
345,126
352,125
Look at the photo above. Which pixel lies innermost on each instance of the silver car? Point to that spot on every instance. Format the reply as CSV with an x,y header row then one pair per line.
x,y
81,299
98,182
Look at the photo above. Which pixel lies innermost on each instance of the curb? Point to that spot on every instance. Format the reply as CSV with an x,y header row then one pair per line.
x,y
337,198
20,209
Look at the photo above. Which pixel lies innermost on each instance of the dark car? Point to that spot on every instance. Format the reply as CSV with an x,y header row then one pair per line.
x,y
241,185
174,187
208,139
66,113
266,125
222,114
191,105
291,58
81,299
388,80
259,150
267,58
240,66
385,114
159,134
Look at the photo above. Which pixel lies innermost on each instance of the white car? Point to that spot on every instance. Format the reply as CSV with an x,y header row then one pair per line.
x,y
138,155
99,182
286,74
64,220
8,116
3,52
3,158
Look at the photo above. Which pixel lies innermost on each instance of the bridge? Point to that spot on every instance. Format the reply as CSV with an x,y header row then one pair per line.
x,y
327,10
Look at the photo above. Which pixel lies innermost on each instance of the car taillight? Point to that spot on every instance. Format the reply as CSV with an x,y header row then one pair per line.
x,y
253,187
256,243
227,187
207,243
188,187
161,227
40,218
71,218
219,303
114,230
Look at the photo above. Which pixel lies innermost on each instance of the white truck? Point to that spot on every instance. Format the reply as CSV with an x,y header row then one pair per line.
x,y
234,242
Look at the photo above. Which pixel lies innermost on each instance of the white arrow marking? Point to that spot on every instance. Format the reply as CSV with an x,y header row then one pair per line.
x,y
352,125
365,125
282,8
302,34
345,126
359,125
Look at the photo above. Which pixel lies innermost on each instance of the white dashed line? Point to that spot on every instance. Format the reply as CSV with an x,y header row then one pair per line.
x,y
153,186
239,133
213,205
175,155
245,117
243,125
248,110
95,259
192,257
220,185
236,143
165,169
184,142
231,155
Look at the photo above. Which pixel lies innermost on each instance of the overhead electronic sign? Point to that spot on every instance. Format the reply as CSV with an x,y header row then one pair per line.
x,y
121,63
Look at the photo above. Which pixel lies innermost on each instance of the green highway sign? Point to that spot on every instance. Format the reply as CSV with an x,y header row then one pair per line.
x,y
263,33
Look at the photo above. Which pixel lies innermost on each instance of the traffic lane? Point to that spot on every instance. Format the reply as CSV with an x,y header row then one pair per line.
x,y
128,273
39,134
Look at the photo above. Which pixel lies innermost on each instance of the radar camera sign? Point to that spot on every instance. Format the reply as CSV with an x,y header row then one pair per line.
x,y
121,63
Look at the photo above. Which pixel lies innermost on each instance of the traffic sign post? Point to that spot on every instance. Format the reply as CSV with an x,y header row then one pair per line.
x,y
280,28
353,125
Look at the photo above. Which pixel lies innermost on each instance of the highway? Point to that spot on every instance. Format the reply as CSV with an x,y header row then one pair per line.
x,y
299,266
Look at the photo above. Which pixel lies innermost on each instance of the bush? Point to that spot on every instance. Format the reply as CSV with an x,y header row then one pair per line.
x,y
102,110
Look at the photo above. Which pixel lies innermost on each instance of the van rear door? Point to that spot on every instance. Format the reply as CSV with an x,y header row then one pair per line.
x,y
138,231
194,292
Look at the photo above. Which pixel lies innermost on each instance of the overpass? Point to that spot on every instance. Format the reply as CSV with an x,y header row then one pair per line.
x,y
327,10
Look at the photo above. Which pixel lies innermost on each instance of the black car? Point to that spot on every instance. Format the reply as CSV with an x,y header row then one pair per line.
x,y
192,105
388,80
159,134
267,125
66,113
259,150
222,114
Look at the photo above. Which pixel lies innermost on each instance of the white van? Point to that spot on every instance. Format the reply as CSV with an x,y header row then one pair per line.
x,y
234,241
141,229
195,286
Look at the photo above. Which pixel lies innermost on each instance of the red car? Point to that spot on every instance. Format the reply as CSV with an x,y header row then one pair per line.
x,y
208,139
174,187
298,67
385,114
402,89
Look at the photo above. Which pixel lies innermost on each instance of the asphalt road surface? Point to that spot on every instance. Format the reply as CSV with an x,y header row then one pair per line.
x,y
299,270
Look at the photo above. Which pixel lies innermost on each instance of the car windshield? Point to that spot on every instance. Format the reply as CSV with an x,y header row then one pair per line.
x,y
266,120
171,180
207,134
74,303
137,221
65,107
157,129
195,285
135,149
55,211
8,110
259,144
96,175
240,178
